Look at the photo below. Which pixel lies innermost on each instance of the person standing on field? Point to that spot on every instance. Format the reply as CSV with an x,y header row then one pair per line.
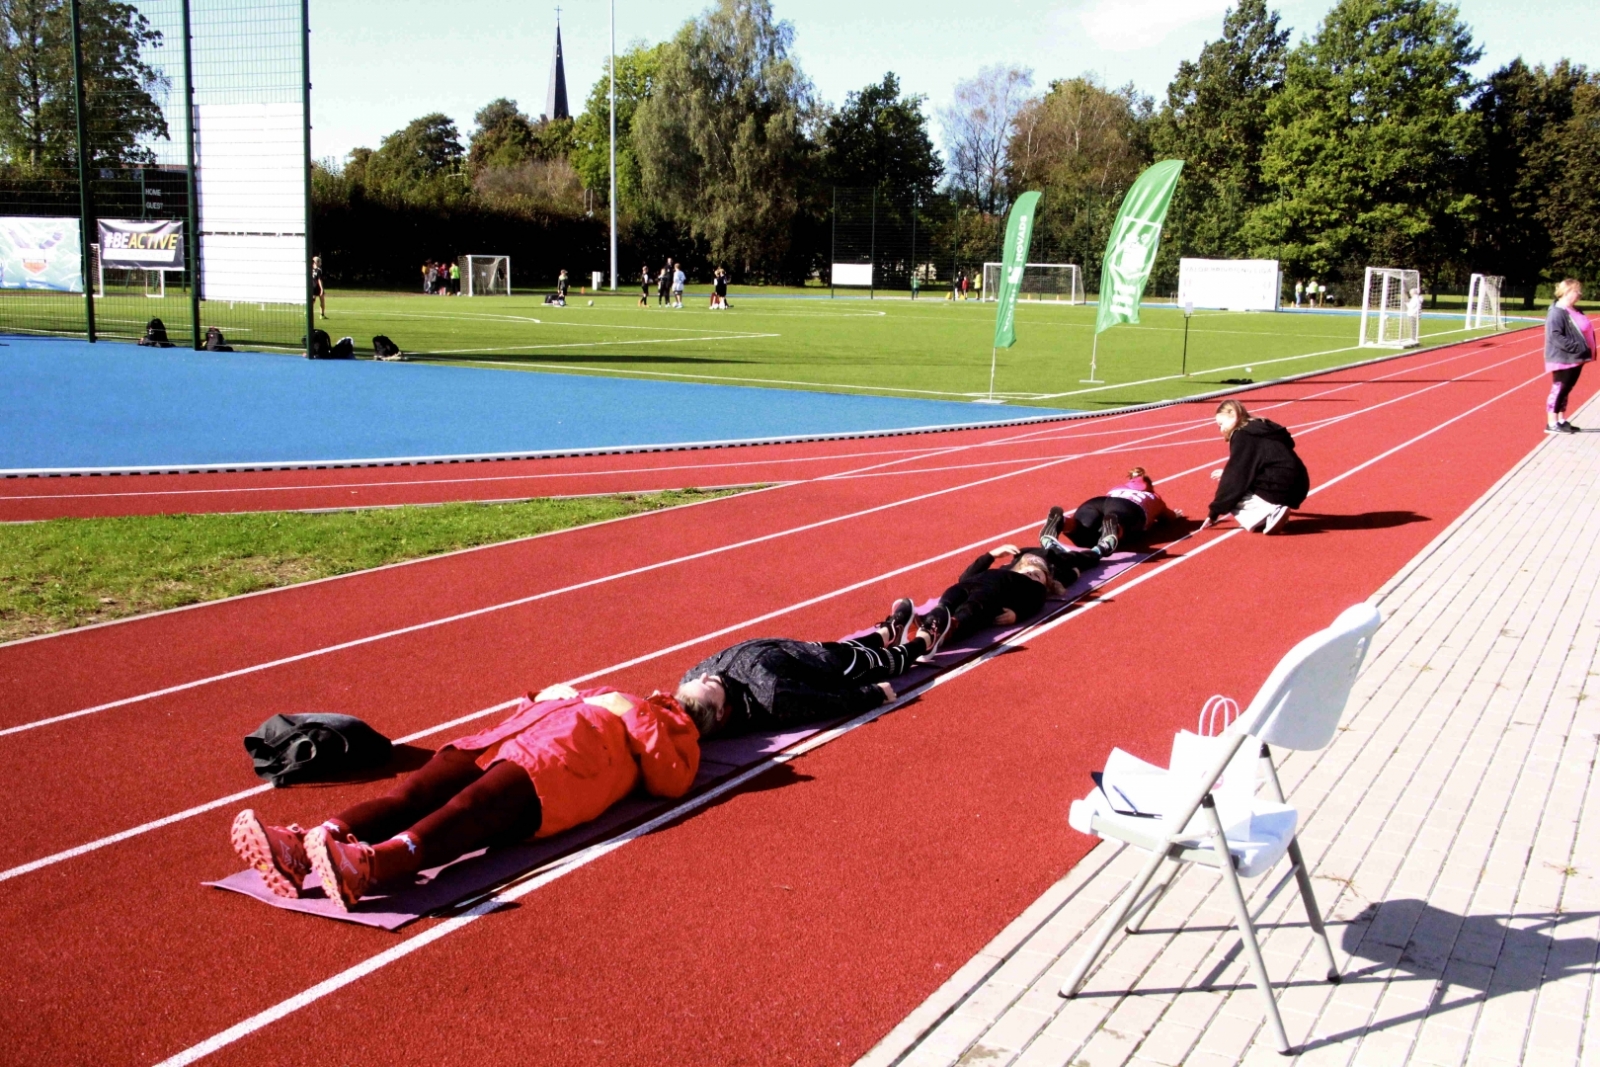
x,y
664,284
644,286
455,279
1568,345
677,286
1299,291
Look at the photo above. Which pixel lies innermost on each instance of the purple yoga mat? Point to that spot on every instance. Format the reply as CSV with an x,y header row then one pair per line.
x,y
478,873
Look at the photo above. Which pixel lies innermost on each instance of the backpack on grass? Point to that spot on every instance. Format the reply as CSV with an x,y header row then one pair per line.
x,y
215,342
385,349
315,747
320,345
345,349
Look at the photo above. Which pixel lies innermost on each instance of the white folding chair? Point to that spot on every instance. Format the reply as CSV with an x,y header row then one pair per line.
x,y
1299,708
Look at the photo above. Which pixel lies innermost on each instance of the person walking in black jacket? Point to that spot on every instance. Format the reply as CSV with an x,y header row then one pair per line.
x,y
1264,478
772,682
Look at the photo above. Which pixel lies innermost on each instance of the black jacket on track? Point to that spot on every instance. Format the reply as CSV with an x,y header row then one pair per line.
x,y
992,591
776,681
1262,461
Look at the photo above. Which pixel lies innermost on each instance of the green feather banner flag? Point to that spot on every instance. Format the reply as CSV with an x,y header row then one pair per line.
x,y
1135,237
1019,234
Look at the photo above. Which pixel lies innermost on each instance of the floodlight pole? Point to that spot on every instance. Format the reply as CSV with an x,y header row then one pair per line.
x,y
83,172
612,108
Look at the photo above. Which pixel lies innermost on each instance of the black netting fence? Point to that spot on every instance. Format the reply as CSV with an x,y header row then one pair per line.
x,y
155,168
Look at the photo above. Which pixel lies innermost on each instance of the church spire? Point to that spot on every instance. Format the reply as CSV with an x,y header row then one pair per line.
x,y
555,105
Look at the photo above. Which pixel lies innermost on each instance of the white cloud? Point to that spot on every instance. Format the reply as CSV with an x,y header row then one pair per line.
x,y
1133,25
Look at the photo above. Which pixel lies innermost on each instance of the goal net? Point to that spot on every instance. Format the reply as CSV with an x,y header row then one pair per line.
x,y
1483,302
125,281
1040,281
1391,308
486,275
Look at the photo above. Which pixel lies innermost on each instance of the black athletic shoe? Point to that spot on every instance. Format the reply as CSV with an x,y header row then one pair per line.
x,y
933,628
898,622
1567,427
1110,534
1050,532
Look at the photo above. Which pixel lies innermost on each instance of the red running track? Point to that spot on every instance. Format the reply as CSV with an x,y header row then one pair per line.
x,y
794,921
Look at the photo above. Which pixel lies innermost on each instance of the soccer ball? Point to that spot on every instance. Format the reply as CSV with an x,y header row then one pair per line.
x,y
591,303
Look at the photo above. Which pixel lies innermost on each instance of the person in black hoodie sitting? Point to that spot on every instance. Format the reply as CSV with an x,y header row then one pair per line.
x,y
1264,478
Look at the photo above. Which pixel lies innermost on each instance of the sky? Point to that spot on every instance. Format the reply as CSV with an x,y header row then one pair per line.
x,y
376,66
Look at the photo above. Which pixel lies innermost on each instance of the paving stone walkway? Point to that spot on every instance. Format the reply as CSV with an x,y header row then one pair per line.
x,y
1453,829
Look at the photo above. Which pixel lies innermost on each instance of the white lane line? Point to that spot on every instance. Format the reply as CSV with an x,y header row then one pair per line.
x,y
605,579
434,353
520,601
587,856
590,676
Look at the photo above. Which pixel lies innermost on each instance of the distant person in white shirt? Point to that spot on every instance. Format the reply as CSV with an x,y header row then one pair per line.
x,y
1299,291
677,286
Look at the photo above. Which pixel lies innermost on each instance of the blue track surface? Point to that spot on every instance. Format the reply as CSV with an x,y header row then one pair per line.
x,y
69,404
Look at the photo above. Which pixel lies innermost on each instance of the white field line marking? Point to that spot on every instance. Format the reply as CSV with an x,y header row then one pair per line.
x,y
532,321
1215,370
604,579
584,857
431,353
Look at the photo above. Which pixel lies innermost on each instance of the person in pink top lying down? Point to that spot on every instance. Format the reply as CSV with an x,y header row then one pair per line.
x,y
1101,523
561,758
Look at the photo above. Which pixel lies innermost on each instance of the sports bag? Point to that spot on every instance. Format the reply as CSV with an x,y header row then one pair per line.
x,y
315,747
215,342
319,346
344,349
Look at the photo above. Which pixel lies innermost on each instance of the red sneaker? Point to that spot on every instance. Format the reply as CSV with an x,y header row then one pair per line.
x,y
345,868
277,852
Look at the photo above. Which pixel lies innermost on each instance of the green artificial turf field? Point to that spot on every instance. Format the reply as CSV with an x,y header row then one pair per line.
x,y
931,348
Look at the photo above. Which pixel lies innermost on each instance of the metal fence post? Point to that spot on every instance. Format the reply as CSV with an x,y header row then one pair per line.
x,y
833,248
872,245
305,67
83,170
193,244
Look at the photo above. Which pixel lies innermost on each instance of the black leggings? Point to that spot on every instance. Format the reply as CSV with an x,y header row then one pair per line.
x,y
451,806
868,661
1561,382
1092,512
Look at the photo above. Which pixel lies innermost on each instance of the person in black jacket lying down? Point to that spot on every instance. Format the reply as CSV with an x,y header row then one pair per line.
x,y
986,595
772,682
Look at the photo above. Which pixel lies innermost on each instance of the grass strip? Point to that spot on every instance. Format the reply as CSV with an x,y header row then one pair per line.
x,y
65,573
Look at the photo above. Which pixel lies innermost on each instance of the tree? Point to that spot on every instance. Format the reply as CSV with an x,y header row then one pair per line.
x,y
504,136
880,139
1367,143
38,128
1082,145
1570,153
978,129
1215,120
591,132
421,162
720,142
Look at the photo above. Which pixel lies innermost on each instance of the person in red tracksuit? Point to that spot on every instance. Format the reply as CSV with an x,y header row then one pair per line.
x,y
560,759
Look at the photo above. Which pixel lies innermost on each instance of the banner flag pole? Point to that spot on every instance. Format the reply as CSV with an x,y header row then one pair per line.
x,y
1131,250
1014,258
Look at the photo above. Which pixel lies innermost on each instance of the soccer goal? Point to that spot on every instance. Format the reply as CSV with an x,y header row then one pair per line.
x,y
1483,302
1040,281
486,275
127,281
1391,308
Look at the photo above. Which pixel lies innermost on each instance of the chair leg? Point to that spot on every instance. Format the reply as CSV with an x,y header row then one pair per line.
x,y
1109,926
1142,912
1247,930
1313,913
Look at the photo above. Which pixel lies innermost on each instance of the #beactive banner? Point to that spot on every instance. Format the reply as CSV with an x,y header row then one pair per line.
x,y
148,245
41,252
